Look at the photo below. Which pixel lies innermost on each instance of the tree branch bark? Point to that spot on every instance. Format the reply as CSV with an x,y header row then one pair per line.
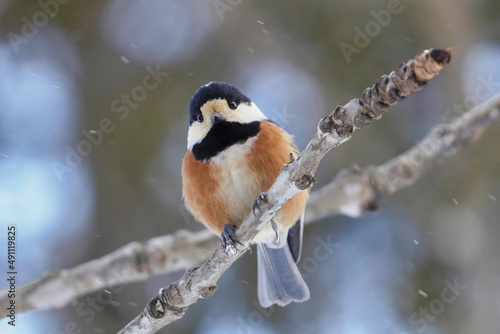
x,y
200,282
351,192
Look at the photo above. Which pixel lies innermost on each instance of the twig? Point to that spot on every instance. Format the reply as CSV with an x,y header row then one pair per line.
x,y
171,303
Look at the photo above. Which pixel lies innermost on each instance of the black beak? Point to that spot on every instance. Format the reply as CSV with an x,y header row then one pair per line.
x,y
217,117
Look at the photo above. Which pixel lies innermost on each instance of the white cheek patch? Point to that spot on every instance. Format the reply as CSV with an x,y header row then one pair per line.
x,y
247,113
196,133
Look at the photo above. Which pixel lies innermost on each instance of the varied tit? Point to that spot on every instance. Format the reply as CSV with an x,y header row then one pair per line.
x,y
234,153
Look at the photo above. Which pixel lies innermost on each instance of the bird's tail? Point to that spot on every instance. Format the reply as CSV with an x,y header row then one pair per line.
x,y
279,280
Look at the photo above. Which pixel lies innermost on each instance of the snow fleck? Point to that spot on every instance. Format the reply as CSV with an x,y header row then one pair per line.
x,y
190,74
114,303
4,155
93,131
246,282
455,201
249,49
55,86
260,22
420,292
416,242
493,198
265,31
132,304
32,74
409,40
108,292
125,60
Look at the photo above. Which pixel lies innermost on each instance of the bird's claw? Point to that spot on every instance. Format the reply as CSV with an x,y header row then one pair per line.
x,y
229,239
258,203
275,229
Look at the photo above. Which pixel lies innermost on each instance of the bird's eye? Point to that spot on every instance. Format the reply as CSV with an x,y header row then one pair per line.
x,y
233,105
199,118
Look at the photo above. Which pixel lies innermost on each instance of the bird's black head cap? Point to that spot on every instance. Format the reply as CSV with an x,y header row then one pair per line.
x,y
212,91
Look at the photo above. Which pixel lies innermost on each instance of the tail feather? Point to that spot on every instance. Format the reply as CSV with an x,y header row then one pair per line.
x,y
279,279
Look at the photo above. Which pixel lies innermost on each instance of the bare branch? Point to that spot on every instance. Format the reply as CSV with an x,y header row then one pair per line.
x,y
351,192
171,303
354,190
132,263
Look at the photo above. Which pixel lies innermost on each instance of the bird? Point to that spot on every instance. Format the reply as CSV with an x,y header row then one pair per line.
x,y
234,154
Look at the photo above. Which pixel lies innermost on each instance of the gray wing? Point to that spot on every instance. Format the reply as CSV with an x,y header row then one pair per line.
x,y
294,238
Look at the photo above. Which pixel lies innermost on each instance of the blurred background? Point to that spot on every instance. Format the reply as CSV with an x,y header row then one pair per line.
x,y
93,126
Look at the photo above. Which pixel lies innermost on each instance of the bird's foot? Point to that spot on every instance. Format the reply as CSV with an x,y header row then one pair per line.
x,y
262,199
229,239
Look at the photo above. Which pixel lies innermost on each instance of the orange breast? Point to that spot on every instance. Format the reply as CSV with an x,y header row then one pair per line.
x,y
270,152
223,191
200,184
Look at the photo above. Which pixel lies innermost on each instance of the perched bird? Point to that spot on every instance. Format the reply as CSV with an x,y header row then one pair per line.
x,y
234,153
